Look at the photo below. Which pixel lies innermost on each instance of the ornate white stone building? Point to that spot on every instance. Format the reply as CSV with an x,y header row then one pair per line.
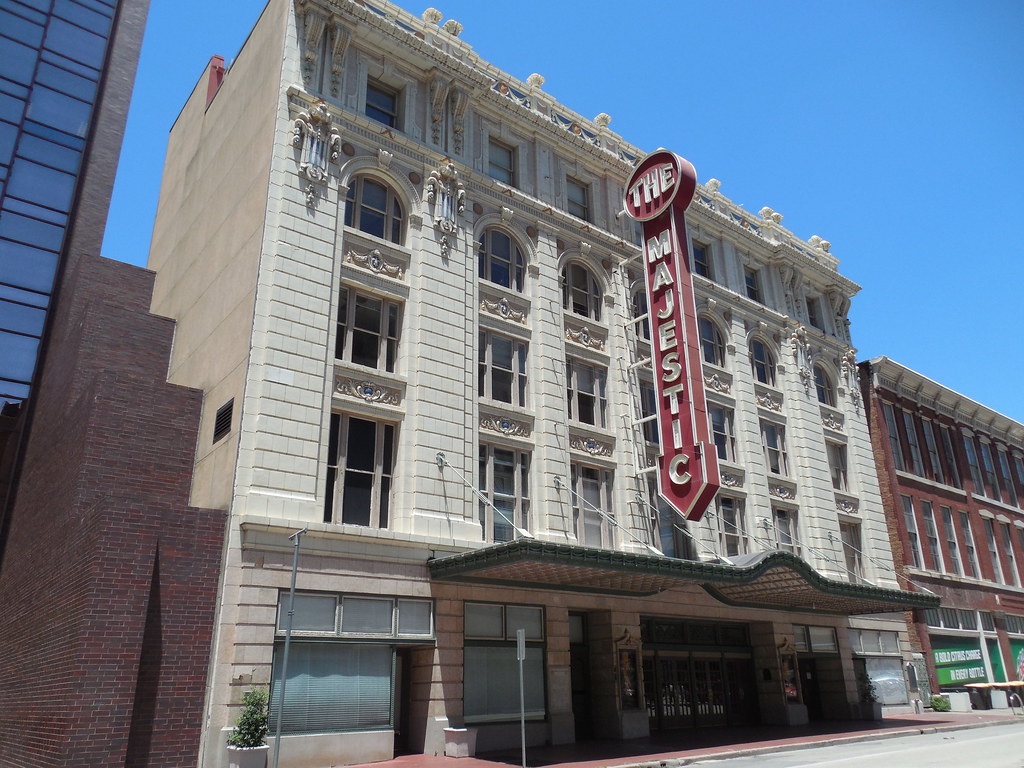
x,y
402,279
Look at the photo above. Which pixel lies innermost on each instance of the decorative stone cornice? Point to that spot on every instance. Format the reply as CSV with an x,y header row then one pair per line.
x,y
585,338
503,309
375,262
832,420
505,426
769,401
590,445
782,492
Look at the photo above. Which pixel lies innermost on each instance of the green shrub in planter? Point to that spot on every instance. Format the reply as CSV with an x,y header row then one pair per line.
x,y
251,728
940,704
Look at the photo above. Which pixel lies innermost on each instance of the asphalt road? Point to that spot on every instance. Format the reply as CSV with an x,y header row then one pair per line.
x,y
999,746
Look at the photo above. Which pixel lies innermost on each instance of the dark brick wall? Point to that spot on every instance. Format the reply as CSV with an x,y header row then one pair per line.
x,y
108,584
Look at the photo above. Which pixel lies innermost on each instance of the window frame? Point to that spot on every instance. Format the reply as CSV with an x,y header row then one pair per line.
x,y
753,289
824,387
931,535
910,428
356,209
387,333
490,521
584,518
952,547
710,337
730,517
895,441
509,171
763,365
838,465
914,538
580,204
724,438
852,542
378,113
787,526
973,569
591,291
338,467
488,371
487,258
702,266
599,392
773,444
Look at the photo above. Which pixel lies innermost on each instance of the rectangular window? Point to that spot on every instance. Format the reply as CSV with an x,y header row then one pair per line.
x,y
382,103
501,162
971,561
917,466
592,494
991,482
1018,464
502,370
1005,477
786,530
505,482
360,465
934,464
895,447
367,330
837,465
586,393
752,283
911,523
649,411
333,687
732,532
931,535
702,260
849,535
950,457
491,671
578,198
814,316
951,546
773,441
972,463
993,552
1009,558
721,419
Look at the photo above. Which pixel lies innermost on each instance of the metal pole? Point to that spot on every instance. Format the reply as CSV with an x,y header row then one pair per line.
x,y
287,644
521,653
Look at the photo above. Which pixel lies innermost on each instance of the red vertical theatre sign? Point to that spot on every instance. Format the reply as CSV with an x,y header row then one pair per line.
x,y
657,194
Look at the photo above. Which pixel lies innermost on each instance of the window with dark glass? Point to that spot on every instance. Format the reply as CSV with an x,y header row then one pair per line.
x,y
895,445
849,536
773,440
952,550
578,198
640,310
786,530
762,362
592,489
910,520
501,162
712,346
501,260
837,465
382,103
910,426
932,448
504,481
702,260
586,393
752,283
972,463
581,293
721,419
368,328
732,532
991,482
823,387
649,411
502,369
360,466
374,208
971,561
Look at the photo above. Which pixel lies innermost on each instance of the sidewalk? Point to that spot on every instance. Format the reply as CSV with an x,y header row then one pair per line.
x,y
683,747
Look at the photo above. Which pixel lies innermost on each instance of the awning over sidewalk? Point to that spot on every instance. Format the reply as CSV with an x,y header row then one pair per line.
x,y
767,580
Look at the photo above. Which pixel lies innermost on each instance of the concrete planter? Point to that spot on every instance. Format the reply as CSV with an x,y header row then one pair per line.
x,y
459,742
248,757
870,710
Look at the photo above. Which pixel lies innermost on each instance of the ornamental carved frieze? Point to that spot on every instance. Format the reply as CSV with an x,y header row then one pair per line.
x,y
716,383
590,445
584,337
316,25
505,426
801,355
846,506
318,141
782,492
731,481
769,401
375,262
503,309
369,391
850,376
446,196
832,421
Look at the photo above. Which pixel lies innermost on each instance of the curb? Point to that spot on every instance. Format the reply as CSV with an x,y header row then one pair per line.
x,y
674,762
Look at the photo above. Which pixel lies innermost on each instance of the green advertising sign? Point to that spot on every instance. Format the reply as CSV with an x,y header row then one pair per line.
x,y
957,661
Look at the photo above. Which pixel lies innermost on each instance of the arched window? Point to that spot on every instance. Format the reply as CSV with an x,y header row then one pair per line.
x,y
642,328
824,387
373,207
711,345
581,293
501,260
762,362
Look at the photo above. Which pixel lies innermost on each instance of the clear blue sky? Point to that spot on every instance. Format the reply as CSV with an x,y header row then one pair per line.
x,y
892,128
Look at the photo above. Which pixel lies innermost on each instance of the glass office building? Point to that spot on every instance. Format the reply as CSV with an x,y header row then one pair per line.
x,y
52,63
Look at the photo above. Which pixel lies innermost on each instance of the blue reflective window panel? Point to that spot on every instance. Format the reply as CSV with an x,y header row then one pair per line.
x,y
21,319
17,62
11,391
13,89
71,66
34,211
48,153
17,27
29,231
32,298
24,7
11,108
83,17
100,6
18,354
27,267
60,111
51,134
75,43
68,82
39,184
7,135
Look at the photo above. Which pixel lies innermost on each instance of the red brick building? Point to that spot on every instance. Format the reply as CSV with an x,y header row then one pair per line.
x,y
951,473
